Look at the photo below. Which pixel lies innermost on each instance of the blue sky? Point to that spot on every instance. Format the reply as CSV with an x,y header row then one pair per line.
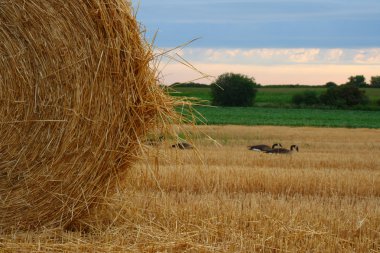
x,y
261,37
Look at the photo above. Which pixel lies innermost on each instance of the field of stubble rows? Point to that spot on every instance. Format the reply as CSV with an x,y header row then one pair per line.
x,y
225,198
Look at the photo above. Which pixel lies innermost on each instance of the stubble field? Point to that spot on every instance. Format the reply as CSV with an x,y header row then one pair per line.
x,y
225,198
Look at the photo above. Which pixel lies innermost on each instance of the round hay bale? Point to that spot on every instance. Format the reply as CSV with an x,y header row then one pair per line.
x,y
77,94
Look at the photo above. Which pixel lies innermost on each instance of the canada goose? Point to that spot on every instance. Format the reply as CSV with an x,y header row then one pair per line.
x,y
154,142
182,145
262,148
283,150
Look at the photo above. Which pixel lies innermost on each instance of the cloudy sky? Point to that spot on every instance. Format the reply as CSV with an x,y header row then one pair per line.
x,y
274,41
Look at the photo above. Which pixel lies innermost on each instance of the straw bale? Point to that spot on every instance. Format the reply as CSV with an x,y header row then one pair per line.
x,y
77,94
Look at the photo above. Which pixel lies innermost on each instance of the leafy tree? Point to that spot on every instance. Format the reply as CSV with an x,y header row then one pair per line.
x,y
231,89
375,81
357,81
330,84
307,97
344,96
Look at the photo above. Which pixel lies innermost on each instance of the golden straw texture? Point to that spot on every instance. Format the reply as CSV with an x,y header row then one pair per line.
x,y
77,94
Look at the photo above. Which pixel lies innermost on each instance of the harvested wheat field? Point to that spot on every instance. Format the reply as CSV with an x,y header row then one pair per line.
x,y
225,198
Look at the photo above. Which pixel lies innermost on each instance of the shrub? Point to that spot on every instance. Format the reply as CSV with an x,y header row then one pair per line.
x,y
375,81
306,98
357,81
231,89
344,96
330,84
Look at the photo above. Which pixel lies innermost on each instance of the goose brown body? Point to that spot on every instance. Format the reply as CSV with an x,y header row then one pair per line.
x,y
292,149
263,147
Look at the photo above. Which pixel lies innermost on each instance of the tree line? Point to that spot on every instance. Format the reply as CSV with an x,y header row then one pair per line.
x,y
232,89
340,96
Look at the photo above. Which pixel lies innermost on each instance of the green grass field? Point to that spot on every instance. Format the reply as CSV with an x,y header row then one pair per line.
x,y
289,117
273,107
199,93
279,96
269,97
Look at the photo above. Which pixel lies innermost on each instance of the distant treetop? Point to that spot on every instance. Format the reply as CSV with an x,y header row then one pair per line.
x,y
375,82
330,84
357,81
190,84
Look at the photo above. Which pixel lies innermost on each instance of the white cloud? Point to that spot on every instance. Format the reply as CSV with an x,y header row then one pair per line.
x,y
371,56
334,55
304,55
218,54
213,55
266,53
249,53
233,52
276,56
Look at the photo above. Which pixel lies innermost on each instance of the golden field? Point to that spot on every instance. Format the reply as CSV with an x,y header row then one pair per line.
x,y
222,197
